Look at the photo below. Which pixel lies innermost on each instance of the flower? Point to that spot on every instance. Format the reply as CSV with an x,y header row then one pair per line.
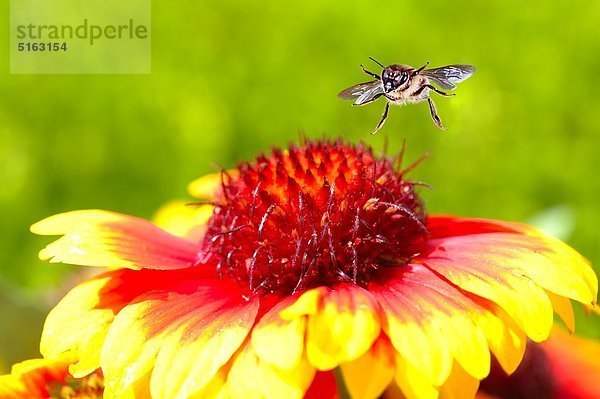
x,y
315,257
563,367
45,379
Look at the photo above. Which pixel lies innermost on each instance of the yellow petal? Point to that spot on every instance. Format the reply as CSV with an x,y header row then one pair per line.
x,y
12,388
189,359
460,385
216,388
504,248
506,340
109,239
344,327
129,353
77,324
277,341
82,318
252,378
567,268
368,376
423,346
412,383
208,186
306,304
459,317
432,324
182,337
416,325
468,342
183,219
562,306
525,301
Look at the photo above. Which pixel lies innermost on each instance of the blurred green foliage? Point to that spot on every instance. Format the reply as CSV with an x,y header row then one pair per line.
x,y
232,78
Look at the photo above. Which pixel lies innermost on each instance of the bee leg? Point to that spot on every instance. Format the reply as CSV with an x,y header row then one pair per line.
x,y
370,73
430,87
434,115
383,118
438,91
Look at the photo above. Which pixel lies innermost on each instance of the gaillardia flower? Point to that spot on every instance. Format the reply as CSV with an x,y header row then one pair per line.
x,y
311,258
563,367
49,379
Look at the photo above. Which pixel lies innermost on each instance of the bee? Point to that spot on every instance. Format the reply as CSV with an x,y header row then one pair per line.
x,y
403,84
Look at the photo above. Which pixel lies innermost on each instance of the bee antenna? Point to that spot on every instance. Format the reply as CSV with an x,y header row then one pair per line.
x,y
377,62
417,71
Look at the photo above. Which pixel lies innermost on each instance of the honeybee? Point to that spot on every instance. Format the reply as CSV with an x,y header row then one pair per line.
x,y
403,84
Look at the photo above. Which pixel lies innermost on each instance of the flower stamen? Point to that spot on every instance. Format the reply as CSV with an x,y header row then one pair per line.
x,y
319,215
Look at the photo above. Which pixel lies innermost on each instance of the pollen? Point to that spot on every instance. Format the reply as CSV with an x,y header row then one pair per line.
x,y
314,215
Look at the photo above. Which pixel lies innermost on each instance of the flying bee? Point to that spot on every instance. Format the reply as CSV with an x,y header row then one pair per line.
x,y
403,84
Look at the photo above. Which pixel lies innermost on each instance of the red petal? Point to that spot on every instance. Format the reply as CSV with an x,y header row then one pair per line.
x,y
324,386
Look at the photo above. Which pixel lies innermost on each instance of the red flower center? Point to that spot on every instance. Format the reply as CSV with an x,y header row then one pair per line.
x,y
320,214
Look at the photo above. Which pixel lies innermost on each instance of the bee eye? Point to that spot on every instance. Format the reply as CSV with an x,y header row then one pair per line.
x,y
401,78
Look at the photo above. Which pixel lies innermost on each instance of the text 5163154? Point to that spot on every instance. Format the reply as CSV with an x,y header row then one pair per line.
x,y
42,46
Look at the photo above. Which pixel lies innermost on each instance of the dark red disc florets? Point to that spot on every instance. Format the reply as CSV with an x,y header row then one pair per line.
x,y
320,214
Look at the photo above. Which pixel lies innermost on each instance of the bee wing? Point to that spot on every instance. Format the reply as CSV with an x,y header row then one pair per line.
x,y
446,77
363,92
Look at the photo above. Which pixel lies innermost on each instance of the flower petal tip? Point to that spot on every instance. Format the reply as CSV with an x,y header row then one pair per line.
x,y
110,239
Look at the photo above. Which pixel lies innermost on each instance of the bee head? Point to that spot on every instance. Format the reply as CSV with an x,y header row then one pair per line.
x,y
394,76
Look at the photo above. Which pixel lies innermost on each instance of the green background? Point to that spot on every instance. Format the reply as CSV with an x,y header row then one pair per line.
x,y
231,79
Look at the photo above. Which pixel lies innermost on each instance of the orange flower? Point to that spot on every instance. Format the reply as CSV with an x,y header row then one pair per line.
x,y
308,259
563,367
45,379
